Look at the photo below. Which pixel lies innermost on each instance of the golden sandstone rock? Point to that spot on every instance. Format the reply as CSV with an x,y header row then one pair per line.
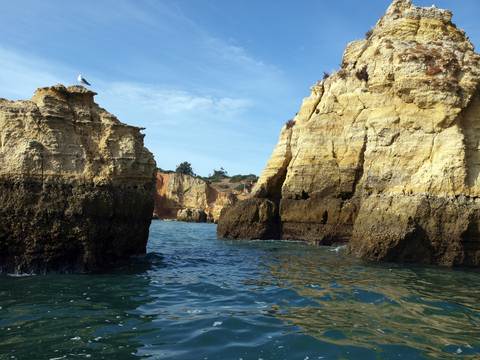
x,y
190,198
178,192
76,184
384,153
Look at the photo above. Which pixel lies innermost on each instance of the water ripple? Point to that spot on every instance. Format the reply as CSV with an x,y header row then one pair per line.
x,y
195,297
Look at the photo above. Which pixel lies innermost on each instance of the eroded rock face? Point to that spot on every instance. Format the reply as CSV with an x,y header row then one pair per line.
x,y
177,192
385,152
188,198
76,185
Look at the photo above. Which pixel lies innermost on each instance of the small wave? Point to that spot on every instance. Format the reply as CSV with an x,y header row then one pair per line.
x,y
277,241
19,275
194,311
339,248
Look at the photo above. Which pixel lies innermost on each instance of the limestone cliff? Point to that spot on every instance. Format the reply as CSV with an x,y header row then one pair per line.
x,y
177,192
189,198
385,152
76,184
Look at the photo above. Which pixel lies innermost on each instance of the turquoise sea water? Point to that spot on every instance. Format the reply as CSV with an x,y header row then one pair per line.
x,y
195,297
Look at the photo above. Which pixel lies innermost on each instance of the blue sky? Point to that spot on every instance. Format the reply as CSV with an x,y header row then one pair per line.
x,y
213,81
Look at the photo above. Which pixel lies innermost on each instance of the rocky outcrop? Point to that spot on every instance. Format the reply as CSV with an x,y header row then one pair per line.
x,y
253,218
76,185
384,153
188,198
192,215
223,200
176,192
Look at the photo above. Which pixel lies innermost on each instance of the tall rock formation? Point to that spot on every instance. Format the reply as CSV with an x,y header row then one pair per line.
x,y
76,185
384,153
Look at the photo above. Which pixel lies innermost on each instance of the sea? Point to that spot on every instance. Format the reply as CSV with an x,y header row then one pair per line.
x,y
194,297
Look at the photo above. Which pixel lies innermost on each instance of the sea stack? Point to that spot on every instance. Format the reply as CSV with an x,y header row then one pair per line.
x,y
384,154
76,186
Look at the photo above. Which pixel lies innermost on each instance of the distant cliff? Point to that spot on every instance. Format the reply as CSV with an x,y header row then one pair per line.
x,y
76,184
189,198
384,154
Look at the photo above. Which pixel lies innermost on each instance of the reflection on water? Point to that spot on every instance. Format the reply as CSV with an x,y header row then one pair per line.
x,y
436,311
194,297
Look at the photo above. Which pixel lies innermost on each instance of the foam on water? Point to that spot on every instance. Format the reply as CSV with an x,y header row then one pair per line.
x,y
19,275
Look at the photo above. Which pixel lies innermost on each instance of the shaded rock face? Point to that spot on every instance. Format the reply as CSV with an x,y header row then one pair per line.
x,y
188,198
250,219
76,185
385,153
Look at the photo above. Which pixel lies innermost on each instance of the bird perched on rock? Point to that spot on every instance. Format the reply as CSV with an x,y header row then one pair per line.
x,y
82,80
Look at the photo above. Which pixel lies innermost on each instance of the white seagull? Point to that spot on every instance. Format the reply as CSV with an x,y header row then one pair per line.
x,y
82,80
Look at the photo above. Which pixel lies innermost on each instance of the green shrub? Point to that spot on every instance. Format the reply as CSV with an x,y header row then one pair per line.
x,y
239,178
218,175
185,168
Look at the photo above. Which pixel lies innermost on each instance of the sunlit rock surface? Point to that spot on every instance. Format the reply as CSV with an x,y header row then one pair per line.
x,y
76,184
190,198
384,153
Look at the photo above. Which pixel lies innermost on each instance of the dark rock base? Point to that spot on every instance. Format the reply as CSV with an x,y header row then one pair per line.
x,y
409,229
250,219
418,229
54,226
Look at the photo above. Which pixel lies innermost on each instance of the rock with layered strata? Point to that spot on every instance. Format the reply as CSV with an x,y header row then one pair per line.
x,y
176,192
183,197
76,184
384,154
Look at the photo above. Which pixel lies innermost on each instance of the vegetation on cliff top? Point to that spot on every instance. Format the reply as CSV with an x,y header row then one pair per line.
x,y
185,168
218,175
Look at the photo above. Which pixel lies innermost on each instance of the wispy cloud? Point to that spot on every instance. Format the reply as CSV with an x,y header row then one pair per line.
x,y
201,97
181,124
166,104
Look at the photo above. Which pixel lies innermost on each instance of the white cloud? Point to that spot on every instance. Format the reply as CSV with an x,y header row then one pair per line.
x,y
21,74
173,102
201,98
